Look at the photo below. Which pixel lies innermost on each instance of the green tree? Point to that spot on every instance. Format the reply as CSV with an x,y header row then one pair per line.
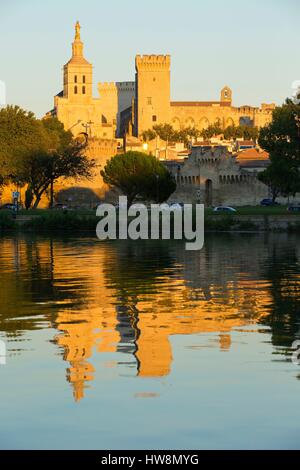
x,y
165,132
20,132
39,169
246,132
281,139
139,175
38,152
212,131
186,135
148,135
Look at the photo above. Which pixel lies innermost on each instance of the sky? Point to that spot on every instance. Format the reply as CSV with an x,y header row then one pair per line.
x,y
252,46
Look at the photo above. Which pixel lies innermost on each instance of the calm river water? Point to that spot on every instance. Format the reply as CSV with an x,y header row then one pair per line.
x,y
127,345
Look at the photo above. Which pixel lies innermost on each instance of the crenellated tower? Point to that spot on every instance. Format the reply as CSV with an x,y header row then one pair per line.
x,y
152,100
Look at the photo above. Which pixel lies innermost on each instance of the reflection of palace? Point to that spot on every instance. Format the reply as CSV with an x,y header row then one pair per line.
x,y
108,298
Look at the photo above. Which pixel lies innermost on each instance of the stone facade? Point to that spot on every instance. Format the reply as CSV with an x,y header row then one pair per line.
x,y
154,106
75,105
213,176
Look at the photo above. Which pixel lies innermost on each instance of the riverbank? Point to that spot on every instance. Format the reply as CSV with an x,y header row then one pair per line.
x,y
85,221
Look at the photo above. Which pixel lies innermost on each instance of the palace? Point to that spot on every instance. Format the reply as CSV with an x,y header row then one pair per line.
x,y
122,111
135,106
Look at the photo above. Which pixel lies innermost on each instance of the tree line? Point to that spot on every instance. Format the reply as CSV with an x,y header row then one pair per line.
x,y
186,135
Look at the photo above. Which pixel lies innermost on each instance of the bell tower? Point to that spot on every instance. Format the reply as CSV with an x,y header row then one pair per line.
x,y
78,73
226,95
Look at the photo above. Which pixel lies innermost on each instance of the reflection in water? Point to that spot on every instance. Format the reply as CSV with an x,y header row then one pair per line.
x,y
131,297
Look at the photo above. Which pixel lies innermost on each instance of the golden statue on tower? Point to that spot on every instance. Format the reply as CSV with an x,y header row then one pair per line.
x,y
77,30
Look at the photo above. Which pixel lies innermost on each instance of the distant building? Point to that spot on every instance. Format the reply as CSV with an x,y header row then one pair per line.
x,y
214,176
153,103
135,106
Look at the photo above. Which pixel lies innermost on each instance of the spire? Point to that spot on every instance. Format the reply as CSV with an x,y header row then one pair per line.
x,y
77,47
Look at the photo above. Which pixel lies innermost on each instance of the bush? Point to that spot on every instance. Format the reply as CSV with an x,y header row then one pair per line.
x,y
7,222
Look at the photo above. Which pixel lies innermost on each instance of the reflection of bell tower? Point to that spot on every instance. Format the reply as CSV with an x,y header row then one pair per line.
x,y
226,95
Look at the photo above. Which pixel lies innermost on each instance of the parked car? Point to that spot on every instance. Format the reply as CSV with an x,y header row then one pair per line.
x,y
224,209
294,208
268,202
60,206
7,207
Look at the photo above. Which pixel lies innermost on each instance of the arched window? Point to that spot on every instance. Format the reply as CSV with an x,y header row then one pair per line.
x,y
75,90
75,78
83,79
83,90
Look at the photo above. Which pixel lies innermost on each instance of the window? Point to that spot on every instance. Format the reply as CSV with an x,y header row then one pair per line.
x,y
75,78
75,90
83,90
154,79
149,100
154,118
83,79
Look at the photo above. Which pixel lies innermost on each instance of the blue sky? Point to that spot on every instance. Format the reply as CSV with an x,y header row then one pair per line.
x,y
251,46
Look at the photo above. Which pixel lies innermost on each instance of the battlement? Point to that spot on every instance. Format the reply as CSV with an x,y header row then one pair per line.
x,y
107,87
152,62
125,86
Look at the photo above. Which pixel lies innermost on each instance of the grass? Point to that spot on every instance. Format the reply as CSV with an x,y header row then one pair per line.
x,y
61,221
47,220
6,221
35,212
243,210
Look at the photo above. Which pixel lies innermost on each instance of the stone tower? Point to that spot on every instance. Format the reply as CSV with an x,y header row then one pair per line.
x,y
152,99
78,73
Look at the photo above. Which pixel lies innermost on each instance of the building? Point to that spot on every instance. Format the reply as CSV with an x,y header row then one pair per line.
x,y
75,105
153,104
214,176
138,105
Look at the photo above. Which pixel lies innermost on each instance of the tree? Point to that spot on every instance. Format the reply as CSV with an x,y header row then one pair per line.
x,y
281,177
148,135
40,169
245,132
186,135
211,131
139,175
28,198
20,132
281,139
38,152
165,132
